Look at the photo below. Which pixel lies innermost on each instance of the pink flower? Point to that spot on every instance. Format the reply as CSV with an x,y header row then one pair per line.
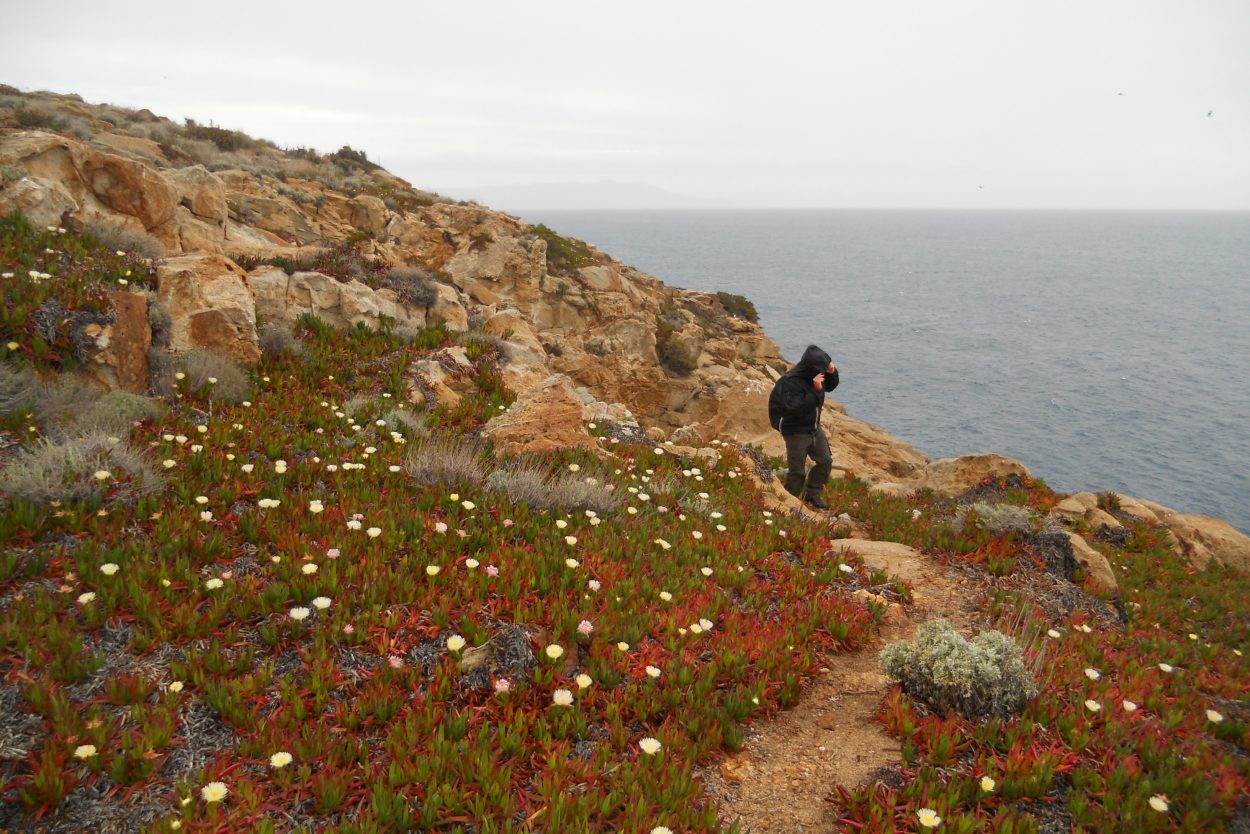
x,y
462,534
584,627
440,527
332,553
502,685
396,661
507,522
349,629
492,570
358,516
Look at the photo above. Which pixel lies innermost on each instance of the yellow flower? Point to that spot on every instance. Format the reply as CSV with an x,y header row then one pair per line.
x,y
84,751
988,784
175,687
623,646
649,746
432,570
214,791
554,651
103,474
213,584
280,760
1159,802
83,599
561,523
928,818
108,569
583,681
455,643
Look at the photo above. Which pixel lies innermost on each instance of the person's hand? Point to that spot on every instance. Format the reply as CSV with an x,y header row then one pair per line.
x,y
818,382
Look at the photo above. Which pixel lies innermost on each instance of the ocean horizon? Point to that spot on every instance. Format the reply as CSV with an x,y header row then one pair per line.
x,y
1103,349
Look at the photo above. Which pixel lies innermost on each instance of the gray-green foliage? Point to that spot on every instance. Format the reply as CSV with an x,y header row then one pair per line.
x,y
443,461
982,676
114,237
529,484
115,412
65,470
1000,518
232,385
277,338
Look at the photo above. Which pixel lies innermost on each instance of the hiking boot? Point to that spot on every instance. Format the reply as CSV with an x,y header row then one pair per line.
x,y
816,503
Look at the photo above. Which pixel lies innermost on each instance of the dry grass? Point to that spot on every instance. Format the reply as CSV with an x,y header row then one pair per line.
x,y
443,461
278,338
232,385
115,413
119,238
66,470
533,486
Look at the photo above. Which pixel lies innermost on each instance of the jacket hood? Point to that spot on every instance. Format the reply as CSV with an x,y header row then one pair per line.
x,y
813,362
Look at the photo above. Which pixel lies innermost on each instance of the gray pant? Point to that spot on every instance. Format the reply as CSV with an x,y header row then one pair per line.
x,y
799,447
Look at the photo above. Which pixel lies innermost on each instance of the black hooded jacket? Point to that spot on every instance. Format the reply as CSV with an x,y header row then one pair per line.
x,y
794,405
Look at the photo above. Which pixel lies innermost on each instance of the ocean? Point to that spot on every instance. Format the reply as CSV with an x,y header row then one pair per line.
x,y
1105,350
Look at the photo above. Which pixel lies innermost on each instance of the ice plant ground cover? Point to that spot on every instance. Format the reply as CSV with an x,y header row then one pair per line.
x,y
325,643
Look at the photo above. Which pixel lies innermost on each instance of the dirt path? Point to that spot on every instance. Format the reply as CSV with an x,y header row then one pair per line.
x,y
781,781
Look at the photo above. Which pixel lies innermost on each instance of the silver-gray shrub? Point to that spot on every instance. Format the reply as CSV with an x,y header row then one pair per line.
x,y
114,237
64,470
115,413
443,461
277,338
232,385
982,676
999,518
533,486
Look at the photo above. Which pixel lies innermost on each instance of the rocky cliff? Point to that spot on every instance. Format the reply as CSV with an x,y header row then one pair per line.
x,y
250,232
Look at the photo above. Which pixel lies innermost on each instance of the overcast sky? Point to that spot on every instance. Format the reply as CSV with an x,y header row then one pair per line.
x,y
870,103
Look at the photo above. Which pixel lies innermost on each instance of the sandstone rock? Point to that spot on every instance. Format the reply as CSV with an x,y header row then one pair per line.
x,y
201,192
542,419
368,213
340,304
1100,519
1094,563
1202,539
44,202
129,187
514,327
145,149
1136,509
210,306
899,560
130,341
448,308
446,375
949,477
1072,508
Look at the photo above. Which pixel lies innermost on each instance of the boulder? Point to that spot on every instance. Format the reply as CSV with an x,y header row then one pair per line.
x,y
367,213
118,356
949,477
446,376
543,418
1201,539
44,202
202,192
1095,564
341,304
448,307
210,306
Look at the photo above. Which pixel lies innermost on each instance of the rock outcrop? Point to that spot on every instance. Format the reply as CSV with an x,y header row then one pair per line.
x,y
582,335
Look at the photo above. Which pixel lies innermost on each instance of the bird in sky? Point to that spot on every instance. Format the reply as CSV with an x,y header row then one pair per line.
x,y
1210,113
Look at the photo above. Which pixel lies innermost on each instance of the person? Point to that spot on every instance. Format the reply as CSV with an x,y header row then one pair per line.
x,y
794,408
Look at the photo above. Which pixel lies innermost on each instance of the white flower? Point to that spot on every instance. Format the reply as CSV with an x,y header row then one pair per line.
x,y
573,467
570,540
1214,717
84,751
298,614
373,532
653,672
661,829
695,628
321,603
354,524
583,681
705,571
928,818
1052,634
280,760
309,568
845,568
666,596
1092,705
432,570
108,568
988,784
1159,802
706,624
554,651
175,687
468,505
392,468
103,474
1129,706
571,563
562,698
87,598
247,467
1165,667
649,746
561,523
1092,674
315,506
471,563
455,643
696,534
623,646
663,544
214,791
593,584
214,583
